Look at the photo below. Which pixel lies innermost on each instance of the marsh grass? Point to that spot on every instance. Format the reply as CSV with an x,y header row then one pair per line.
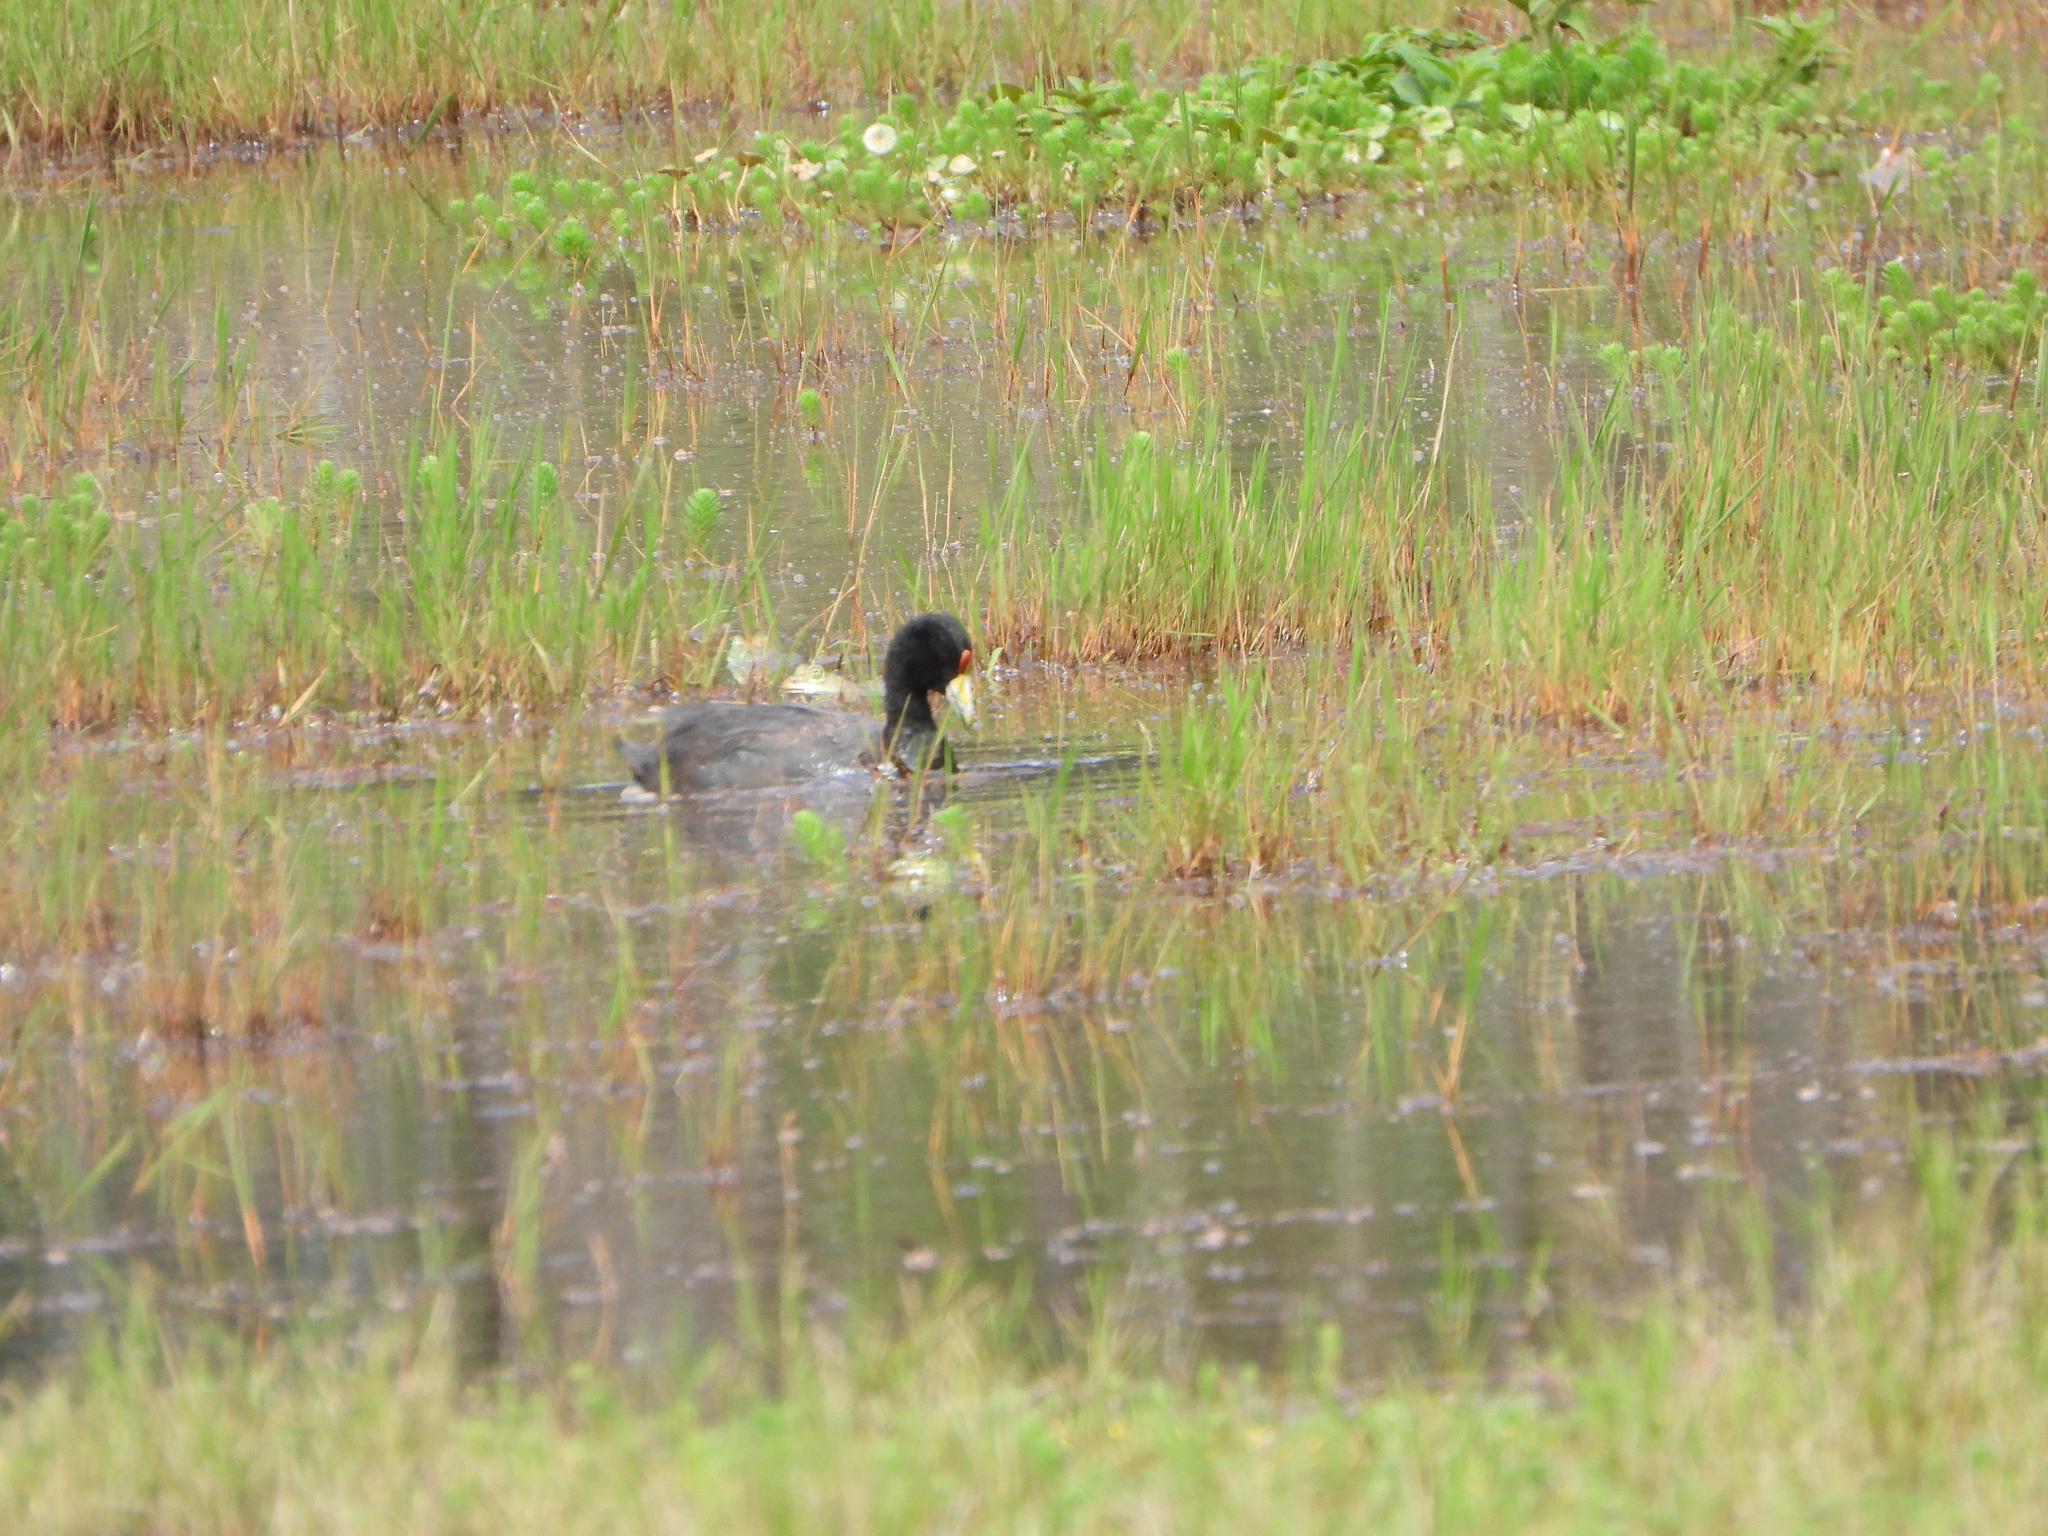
x,y
1900,1393
491,586
174,869
1177,552
1369,778
1743,517
135,70
1767,563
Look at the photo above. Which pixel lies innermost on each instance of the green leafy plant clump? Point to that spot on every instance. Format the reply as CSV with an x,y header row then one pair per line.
x,y
55,541
1966,328
570,216
1429,105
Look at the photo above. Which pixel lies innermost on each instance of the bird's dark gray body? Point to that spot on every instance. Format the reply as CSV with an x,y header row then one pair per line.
x,y
751,746
718,745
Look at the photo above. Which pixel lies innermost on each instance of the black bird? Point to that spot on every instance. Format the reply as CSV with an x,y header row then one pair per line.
x,y
753,746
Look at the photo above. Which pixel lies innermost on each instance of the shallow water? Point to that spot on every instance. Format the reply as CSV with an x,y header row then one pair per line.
x,y
604,1077
625,1074
345,321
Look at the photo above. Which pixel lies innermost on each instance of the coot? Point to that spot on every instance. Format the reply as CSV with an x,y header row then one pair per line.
x,y
752,746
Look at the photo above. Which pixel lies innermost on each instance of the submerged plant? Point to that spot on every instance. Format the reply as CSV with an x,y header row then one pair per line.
x,y
820,843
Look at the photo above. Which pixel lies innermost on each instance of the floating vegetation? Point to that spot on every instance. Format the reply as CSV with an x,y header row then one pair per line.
x,y
1444,109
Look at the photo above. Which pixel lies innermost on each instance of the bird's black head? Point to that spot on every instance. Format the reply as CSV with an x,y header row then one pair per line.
x,y
928,652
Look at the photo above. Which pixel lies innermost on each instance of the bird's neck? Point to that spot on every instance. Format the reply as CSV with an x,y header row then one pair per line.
x,y
907,709
908,724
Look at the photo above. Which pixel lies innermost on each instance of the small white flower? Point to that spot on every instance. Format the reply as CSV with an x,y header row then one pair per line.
x,y
805,170
961,165
1351,156
879,138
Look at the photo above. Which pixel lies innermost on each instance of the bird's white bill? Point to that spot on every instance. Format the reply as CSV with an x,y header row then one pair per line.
x,y
960,694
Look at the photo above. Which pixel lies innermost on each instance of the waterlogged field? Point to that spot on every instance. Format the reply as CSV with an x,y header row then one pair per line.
x,y
1508,810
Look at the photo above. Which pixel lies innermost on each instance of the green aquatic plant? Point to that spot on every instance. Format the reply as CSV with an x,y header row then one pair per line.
x,y
1412,105
573,241
1549,18
700,515
822,845
57,541
335,485
1971,328
1202,774
1192,551
1795,528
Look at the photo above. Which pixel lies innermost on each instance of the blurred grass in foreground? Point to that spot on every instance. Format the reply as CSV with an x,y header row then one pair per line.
x,y
1904,1393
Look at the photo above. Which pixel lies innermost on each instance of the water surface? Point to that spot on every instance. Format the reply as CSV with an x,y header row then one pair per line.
x,y
597,1078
